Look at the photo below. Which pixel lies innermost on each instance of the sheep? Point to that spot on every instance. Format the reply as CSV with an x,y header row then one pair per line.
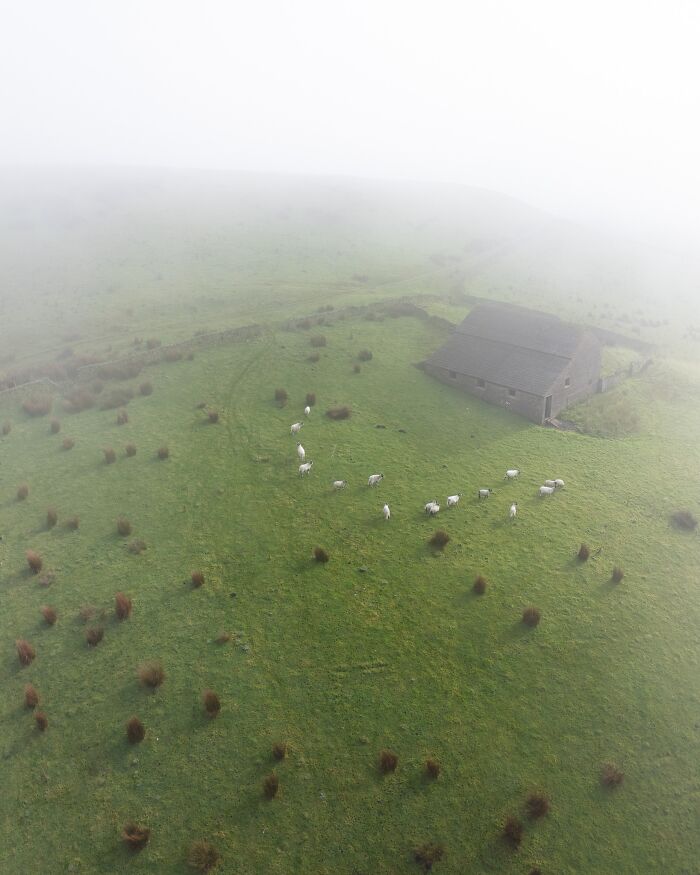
x,y
558,484
296,427
301,452
453,499
307,410
513,510
430,505
305,468
546,490
550,483
484,493
340,484
374,479
434,508
386,511
512,473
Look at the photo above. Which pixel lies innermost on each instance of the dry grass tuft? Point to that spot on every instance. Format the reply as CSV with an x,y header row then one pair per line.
x,y
123,526
55,426
318,340
135,837
122,606
6,428
31,696
531,616
281,397
122,417
34,561
94,634
537,805
72,523
339,413
51,518
197,578
480,585
211,702
136,546
432,768
203,856
68,443
22,492
151,674
41,720
513,831
49,614
110,455
135,730
130,450
611,776
314,357
388,761
428,855
364,355
684,519
584,551
617,574
87,612
38,405
439,540
163,453
279,750
213,416
271,785
321,555
146,388
311,398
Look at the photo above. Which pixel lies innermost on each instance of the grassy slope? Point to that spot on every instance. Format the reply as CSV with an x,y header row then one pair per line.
x,y
343,663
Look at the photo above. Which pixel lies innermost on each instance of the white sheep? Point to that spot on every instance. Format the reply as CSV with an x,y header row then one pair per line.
x,y
305,468
430,505
512,473
513,510
386,511
307,410
559,484
340,484
453,499
434,508
301,452
484,493
546,490
374,479
296,427
550,483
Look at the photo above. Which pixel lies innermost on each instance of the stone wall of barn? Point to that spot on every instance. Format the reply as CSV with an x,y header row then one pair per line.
x,y
583,374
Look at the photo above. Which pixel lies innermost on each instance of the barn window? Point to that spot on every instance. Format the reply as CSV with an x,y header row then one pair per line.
x,y
453,374
481,383
511,392
567,382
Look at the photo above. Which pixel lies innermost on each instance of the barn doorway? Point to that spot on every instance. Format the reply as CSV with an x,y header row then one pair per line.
x,y
548,407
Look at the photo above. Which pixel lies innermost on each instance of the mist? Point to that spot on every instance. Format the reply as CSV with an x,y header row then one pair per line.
x,y
585,112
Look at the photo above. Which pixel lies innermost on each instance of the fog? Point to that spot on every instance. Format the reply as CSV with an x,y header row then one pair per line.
x,y
585,110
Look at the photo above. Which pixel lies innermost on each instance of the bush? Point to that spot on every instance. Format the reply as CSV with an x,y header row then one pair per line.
x,y
213,416
584,552
617,574
130,450
38,405
31,696
137,546
428,854
152,343
304,324
271,785
94,634
72,523
110,456
151,674
203,856
34,561
611,776
364,355
439,540
47,579
25,652
41,720
197,578
320,555
122,417
279,750
122,606
513,831
116,398
51,518
318,340
123,526
684,519
314,357
135,837
356,368
135,730
211,702
480,585
432,768
281,397
163,453
537,805
68,443
223,638
49,614
146,388
531,616
79,400
388,761
55,426
22,492
339,413
6,428
87,612
311,398
172,355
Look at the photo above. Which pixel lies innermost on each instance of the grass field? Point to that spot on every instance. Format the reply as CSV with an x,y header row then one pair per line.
x,y
385,646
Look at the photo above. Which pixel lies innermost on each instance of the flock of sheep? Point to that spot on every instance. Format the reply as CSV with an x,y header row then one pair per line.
x,y
432,507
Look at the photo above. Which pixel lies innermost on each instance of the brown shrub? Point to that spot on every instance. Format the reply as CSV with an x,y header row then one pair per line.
x,y
172,355
51,518
279,750
55,426
304,324
364,355
151,674
531,616
203,856
130,450
31,696
38,405
432,767
223,638
428,854
321,555
281,397
41,720
211,702
79,400
34,561
122,606
87,612
47,579
72,523
314,357
311,398
146,388
135,730
49,614
163,453
116,398
684,519
152,343
94,634
356,368
110,456
137,546
200,405
135,837
122,417
6,428
535,871
68,443
617,574
197,578
339,412
388,761
513,831
271,785
611,776
213,416
123,526
25,652
537,805
22,492
439,540
318,340
584,551
480,585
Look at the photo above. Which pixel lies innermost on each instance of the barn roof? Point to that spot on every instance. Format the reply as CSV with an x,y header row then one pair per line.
x,y
511,346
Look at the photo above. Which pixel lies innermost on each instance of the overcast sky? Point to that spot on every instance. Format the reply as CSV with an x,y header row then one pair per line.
x,y
589,109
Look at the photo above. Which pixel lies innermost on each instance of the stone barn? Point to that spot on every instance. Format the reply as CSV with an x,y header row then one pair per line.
x,y
529,362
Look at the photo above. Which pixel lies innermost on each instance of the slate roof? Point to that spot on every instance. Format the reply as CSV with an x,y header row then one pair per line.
x,y
511,346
